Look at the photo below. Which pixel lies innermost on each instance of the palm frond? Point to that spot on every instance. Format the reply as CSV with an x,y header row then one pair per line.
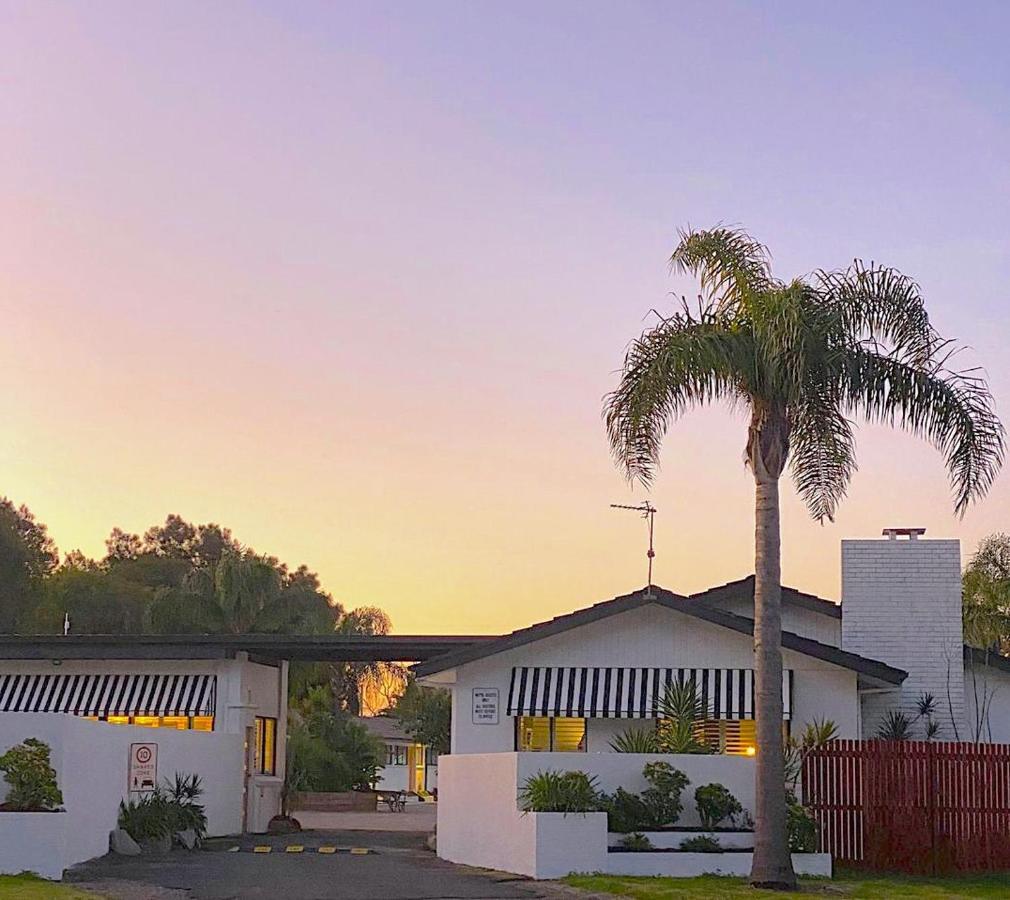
x,y
882,306
688,360
952,410
727,262
822,454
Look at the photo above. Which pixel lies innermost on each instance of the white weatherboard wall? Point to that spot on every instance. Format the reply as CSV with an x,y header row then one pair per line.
x,y
91,759
902,605
480,824
646,636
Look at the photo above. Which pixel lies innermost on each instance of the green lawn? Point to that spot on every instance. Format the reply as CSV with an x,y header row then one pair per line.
x,y
28,887
846,885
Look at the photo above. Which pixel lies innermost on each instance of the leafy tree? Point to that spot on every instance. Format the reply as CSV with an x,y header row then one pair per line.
x,y
27,556
32,779
986,595
241,593
425,713
350,679
801,357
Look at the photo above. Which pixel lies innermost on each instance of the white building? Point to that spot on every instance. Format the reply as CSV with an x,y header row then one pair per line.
x,y
574,683
407,765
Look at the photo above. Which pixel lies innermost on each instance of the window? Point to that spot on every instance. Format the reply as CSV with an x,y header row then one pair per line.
x,y
396,755
562,734
737,737
181,723
265,756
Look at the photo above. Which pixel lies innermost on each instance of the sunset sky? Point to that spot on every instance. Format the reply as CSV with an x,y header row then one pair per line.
x,y
352,279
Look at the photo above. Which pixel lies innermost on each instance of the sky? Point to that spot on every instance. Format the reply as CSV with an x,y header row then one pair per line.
x,y
352,279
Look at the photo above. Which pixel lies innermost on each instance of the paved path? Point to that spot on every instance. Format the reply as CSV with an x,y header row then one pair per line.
x,y
395,869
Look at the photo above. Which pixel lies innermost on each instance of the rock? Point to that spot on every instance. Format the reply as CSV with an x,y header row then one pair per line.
x,y
431,842
187,838
283,825
120,842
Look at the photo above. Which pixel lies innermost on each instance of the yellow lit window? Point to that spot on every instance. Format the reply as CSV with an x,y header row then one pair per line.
x,y
146,721
737,737
179,722
569,735
265,747
118,720
565,735
203,723
534,733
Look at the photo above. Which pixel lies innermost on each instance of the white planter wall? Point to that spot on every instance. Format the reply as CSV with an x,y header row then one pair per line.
x,y
671,840
90,759
480,824
33,842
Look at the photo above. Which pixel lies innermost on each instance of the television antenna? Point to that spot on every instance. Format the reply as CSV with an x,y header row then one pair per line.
x,y
648,512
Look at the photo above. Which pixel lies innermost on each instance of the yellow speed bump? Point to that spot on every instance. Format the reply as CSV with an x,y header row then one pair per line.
x,y
327,850
359,851
294,848
262,849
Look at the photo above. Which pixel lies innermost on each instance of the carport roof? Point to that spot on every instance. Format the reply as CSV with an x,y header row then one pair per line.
x,y
313,648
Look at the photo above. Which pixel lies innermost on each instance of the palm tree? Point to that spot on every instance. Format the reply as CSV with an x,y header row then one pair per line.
x,y
800,357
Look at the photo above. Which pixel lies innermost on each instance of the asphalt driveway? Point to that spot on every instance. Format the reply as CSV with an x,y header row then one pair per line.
x,y
396,867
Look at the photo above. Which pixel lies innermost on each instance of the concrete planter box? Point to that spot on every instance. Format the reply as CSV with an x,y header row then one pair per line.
x,y
689,865
673,838
567,842
343,801
33,842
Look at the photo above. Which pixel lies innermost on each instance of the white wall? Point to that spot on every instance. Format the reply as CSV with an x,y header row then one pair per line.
x,y
647,636
992,688
91,760
902,604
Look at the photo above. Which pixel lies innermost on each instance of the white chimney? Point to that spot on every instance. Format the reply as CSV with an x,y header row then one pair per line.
x,y
901,604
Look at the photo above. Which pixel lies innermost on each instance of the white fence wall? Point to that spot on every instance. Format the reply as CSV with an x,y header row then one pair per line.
x,y
91,760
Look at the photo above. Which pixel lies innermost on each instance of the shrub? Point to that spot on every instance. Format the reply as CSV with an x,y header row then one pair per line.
x,y
148,818
801,826
701,843
31,777
636,740
636,841
625,811
186,812
716,804
662,797
564,792
896,726
680,711
328,751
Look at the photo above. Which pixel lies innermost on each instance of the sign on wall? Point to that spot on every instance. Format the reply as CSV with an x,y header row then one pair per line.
x,y
142,774
485,706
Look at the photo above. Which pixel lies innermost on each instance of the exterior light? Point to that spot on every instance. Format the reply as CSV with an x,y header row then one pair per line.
x,y
750,751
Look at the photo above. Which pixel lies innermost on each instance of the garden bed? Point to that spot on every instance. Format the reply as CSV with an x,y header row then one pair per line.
x,y
670,838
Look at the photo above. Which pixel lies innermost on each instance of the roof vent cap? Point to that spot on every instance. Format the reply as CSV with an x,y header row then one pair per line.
x,y
892,534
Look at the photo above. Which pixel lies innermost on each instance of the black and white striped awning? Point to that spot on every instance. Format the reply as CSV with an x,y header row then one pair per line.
x,y
109,695
631,693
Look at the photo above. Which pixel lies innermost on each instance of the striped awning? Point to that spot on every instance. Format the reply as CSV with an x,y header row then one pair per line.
x,y
631,693
109,695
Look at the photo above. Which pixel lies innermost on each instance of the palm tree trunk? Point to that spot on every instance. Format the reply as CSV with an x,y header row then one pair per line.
x,y
772,865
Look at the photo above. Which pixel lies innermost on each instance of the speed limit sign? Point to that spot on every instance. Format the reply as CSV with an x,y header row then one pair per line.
x,y
143,769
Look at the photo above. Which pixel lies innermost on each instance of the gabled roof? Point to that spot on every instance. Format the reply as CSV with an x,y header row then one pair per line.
x,y
689,606
743,588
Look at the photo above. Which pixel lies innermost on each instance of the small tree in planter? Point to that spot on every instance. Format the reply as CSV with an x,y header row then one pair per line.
x,y
31,777
563,792
716,804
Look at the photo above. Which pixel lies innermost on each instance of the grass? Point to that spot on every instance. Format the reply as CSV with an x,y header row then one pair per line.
x,y
855,885
29,887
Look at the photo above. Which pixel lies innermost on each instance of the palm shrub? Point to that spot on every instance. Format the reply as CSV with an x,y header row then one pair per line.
x,y
31,777
716,804
636,740
818,733
563,792
681,713
801,357
895,726
662,796
147,818
186,812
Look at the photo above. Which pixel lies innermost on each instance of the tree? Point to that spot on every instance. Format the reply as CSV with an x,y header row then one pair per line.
x,y
425,713
986,595
350,679
800,357
243,593
27,556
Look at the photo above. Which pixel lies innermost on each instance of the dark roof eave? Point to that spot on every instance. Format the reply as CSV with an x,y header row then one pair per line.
x,y
986,658
744,588
693,607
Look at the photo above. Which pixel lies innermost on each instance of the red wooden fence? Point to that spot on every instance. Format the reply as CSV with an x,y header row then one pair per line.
x,y
914,806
